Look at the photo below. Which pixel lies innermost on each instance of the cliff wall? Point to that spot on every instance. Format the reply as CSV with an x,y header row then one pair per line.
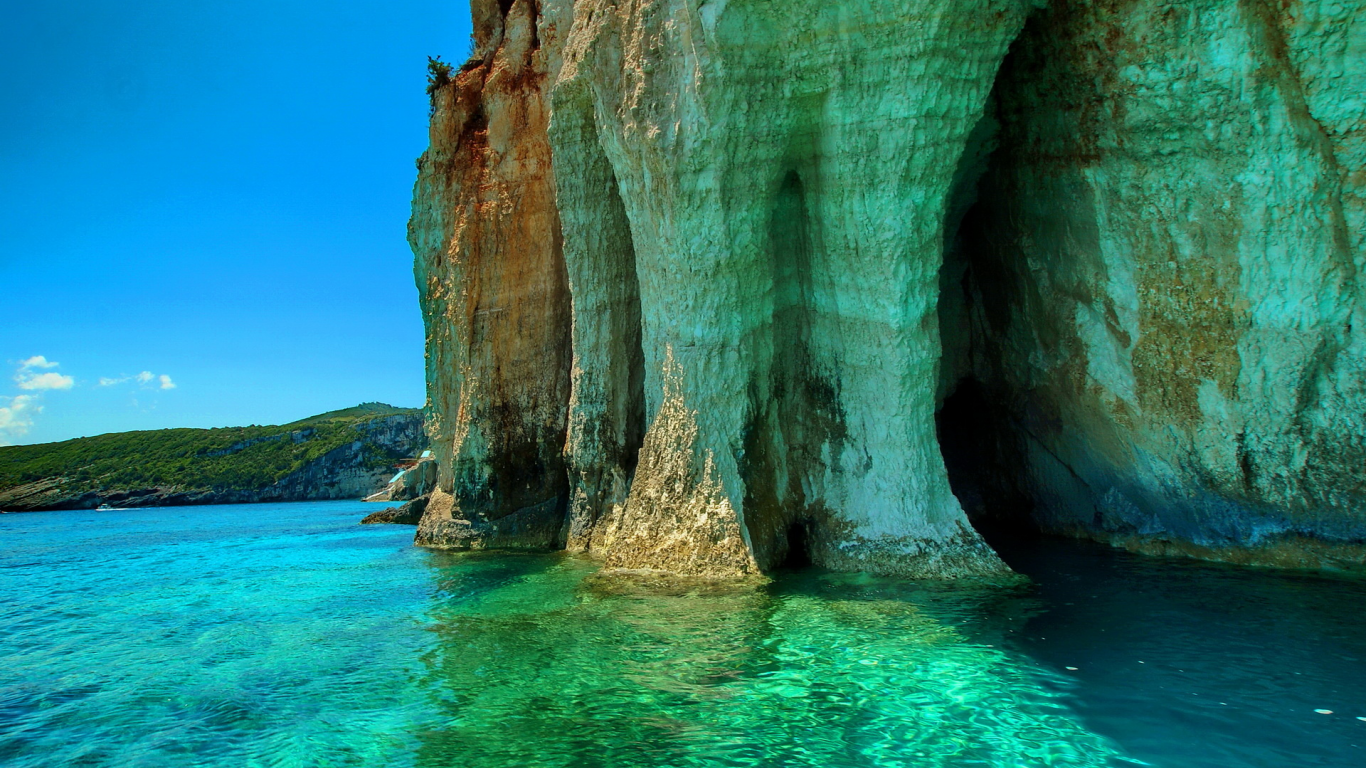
x,y
699,275
1161,276
491,277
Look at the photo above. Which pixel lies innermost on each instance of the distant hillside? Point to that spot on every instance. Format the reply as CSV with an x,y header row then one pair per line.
x,y
362,411
340,454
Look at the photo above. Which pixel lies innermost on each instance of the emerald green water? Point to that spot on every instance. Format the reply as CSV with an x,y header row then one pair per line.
x,y
287,635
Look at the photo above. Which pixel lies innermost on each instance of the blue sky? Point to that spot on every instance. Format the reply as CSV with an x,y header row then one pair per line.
x,y
203,209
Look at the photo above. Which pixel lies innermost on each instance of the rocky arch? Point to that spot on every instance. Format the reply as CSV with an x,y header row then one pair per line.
x,y
1151,292
796,298
1145,362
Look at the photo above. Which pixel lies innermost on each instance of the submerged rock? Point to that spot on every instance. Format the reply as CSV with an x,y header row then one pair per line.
x,y
778,238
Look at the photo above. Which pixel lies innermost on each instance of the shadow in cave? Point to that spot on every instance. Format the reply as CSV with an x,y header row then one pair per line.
x,y
980,449
796,417
978,420
798,554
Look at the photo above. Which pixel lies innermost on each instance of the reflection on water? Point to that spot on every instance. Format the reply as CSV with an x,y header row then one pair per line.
x,y
286,635
819,671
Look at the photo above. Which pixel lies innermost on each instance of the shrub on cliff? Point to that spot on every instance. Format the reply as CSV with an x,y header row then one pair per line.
x,y
438,75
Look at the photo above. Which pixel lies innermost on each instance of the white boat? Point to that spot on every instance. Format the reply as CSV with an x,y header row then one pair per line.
x,y
104,508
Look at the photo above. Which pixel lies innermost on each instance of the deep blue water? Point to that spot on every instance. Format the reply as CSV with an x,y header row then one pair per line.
x,y
287,635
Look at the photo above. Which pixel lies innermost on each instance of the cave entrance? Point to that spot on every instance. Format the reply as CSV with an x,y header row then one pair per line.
x,y
977,419
795,414
981,449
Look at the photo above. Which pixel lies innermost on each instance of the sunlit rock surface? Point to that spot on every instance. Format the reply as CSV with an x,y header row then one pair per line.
x,y
699,275
491,277
781,173
1162,276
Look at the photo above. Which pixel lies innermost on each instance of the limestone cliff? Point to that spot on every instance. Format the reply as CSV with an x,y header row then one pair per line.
x,y
698,275
491,276
1161,276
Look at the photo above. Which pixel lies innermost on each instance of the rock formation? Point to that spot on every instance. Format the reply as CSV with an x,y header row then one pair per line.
x,y
698,275
410,482
406,514
1160,276
491,275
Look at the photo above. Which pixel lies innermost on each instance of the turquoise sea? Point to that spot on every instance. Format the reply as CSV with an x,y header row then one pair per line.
x,y
288,635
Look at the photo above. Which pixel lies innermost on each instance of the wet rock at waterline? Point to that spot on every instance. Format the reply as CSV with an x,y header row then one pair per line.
x,y
444,525
405,514
697,277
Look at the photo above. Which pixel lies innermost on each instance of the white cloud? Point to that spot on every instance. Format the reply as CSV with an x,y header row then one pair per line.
x,y
27,379
17,412
16,416
145,380
42,381
37,361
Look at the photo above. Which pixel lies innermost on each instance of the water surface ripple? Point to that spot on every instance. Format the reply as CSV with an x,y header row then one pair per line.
x,y
287,635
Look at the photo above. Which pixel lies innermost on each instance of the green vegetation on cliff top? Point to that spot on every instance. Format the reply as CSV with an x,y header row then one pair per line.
x,y
226,458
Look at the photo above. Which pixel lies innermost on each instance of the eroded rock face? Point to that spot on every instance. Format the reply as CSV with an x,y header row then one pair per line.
x,y
491,276
781,175
1163,275
683,268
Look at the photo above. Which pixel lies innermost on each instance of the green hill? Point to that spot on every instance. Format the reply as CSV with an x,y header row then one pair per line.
x,y
362,411
230,463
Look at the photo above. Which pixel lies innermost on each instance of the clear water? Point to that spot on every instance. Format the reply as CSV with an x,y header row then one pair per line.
x,y
287,635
